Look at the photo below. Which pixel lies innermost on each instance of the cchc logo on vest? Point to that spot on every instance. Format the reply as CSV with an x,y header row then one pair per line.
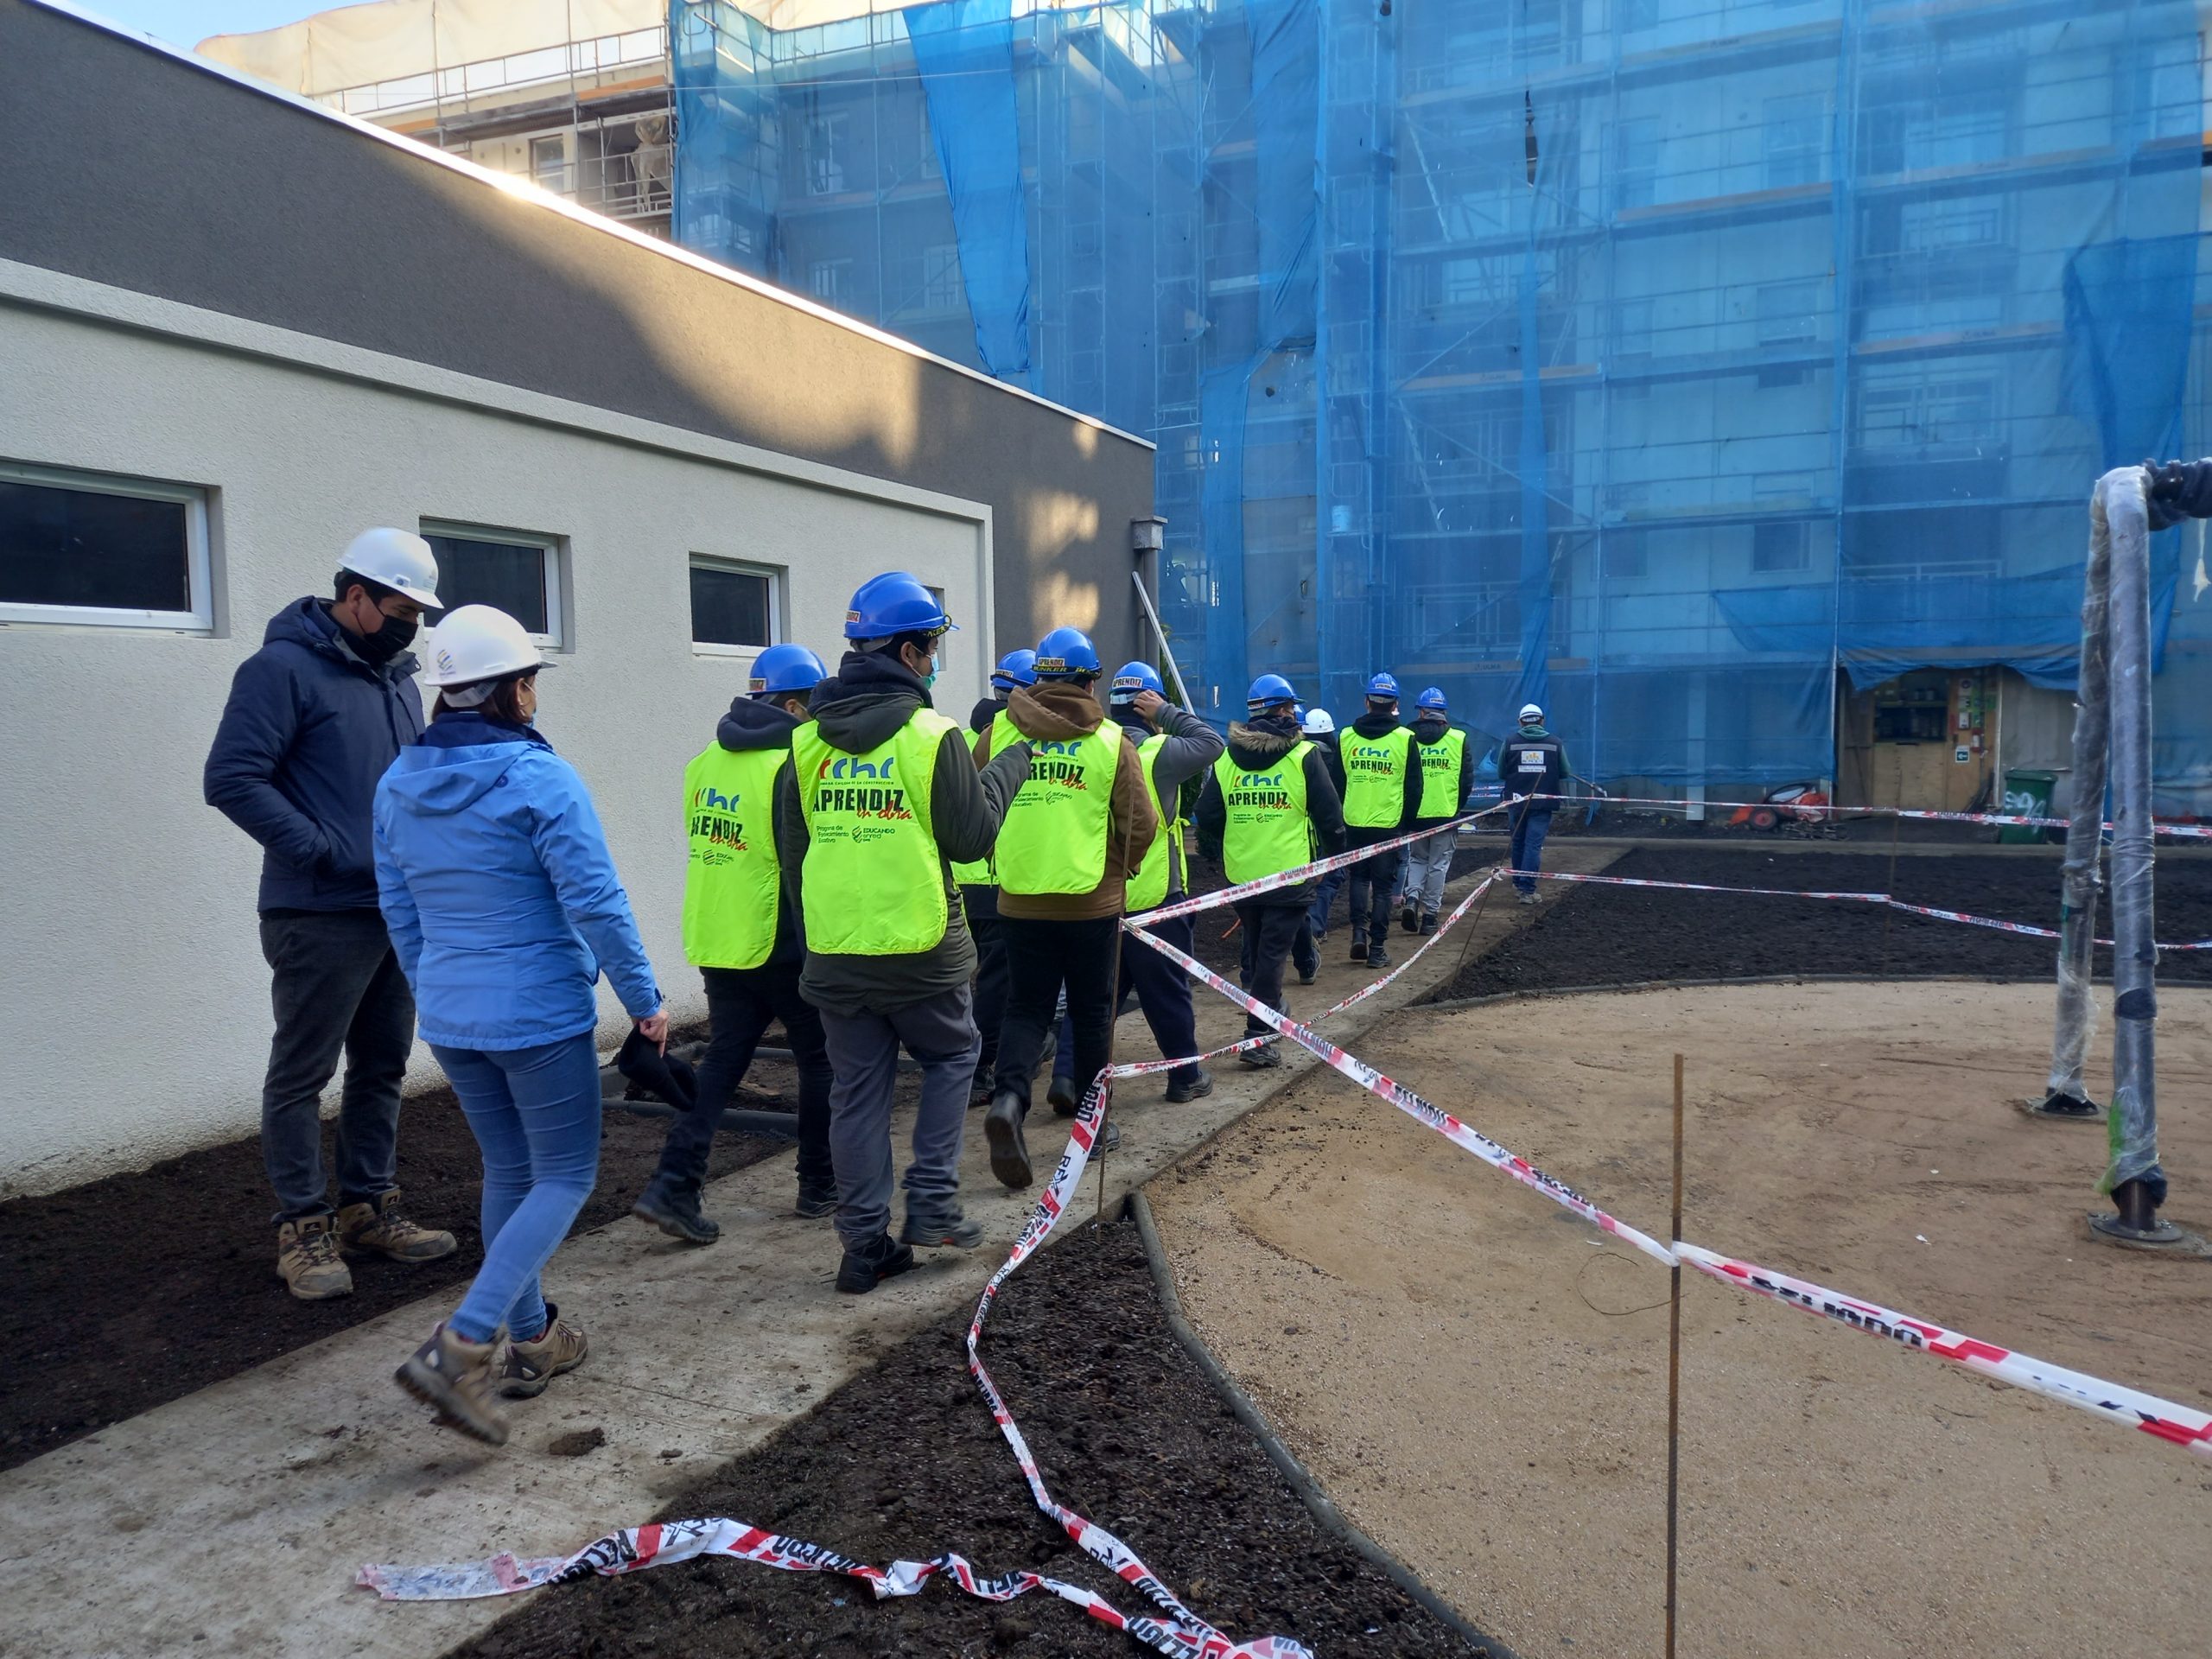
x,y
1260,789
1370,759
832,794
1049,764
713,819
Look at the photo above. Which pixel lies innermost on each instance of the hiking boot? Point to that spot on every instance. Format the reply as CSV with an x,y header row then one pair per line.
x,y
673,1207
382,1226
1266,1058
815,1201
1378,957
1309,973
979,1093
1359,944
1529,898
940,1227
1428,923
861,1270
455,1376
1061,1096
531,1365
1194,1088
1409,918
1109,1139
1002,1128
308,1259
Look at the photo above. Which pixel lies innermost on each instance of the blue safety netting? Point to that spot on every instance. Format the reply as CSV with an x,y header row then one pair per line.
x,y
1683,365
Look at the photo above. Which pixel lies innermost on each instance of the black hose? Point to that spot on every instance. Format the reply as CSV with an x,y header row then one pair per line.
x,y
1331,1518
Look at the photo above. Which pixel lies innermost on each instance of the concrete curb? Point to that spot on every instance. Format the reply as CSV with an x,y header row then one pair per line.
x,y
1316,1502
1454,1004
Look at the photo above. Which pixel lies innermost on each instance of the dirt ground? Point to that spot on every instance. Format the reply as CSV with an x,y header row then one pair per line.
x,y
906,1461
1480,1379
121,1295
1640,934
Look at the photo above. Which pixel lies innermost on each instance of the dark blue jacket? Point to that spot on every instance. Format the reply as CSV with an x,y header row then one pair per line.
x,y
308,730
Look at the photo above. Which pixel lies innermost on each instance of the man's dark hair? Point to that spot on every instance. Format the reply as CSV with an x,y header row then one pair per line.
x,y
349,579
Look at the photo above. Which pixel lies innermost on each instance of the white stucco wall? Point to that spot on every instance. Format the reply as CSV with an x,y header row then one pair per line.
x,y
134,1011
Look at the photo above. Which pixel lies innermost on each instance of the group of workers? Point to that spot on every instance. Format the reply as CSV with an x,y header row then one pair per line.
x,y
862,871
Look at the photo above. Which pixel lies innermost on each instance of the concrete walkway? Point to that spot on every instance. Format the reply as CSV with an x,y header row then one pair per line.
x,y
232,1521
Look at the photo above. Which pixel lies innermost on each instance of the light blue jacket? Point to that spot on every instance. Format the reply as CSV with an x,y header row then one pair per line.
x,y
499,891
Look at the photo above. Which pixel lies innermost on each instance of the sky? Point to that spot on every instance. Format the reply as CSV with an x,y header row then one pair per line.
x,y
188,22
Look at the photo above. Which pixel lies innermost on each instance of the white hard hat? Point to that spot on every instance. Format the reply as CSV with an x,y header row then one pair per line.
x,y
1531,711
1317,722
399,559
479,642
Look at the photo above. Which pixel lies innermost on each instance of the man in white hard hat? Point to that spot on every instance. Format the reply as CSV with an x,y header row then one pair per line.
x,y
315,717
1532,767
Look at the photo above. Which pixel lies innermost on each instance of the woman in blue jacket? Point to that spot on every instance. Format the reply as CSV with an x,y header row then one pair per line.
x,y
503,907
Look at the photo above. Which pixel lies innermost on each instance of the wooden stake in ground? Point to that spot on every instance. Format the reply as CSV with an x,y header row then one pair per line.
x,y
1675,1363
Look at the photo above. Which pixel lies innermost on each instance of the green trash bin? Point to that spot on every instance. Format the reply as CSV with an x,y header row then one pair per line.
x,y
2027,795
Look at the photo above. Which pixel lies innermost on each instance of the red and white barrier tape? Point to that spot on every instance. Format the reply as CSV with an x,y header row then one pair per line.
x,y
1291,878
2026,929
1181,1633
1412,1105
2199,831
2184,1426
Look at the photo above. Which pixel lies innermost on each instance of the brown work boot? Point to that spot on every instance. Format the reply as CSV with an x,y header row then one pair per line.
x,y
457,1378
384,1227
308,1259
531,1365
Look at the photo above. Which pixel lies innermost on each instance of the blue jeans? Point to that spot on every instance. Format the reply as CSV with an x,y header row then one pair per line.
x,y
535,1114
1325,890
1530,825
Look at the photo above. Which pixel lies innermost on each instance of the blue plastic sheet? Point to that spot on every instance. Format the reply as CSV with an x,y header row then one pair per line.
x,y
1682,365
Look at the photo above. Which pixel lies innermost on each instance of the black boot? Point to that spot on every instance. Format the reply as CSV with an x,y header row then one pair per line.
x,y
1060,1095
1002,1128
1358,943
1428,922
864,1268
1199,1085
672,1205
816,1200
1409,918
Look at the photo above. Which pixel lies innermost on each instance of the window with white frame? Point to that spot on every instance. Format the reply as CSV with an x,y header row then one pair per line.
x,y
830,281
116,552
828,140
518,571
735,606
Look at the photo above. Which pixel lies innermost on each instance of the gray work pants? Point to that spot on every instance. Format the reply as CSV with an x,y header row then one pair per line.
x,y
939,1032
335,989
1428,864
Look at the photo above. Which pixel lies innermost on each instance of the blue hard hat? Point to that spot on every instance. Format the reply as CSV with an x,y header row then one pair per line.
x,y
1133,677
782,670
1269,691
1382,685
1065,653
1015,668
894,602
1431,697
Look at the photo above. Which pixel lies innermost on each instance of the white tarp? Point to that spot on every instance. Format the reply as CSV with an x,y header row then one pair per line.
x,y
359,45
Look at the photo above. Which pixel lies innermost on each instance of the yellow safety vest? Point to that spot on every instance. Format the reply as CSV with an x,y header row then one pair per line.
x,y
1268,829
976,872
1440,773
733,883
1053,838
1374,776
1148,886
872,884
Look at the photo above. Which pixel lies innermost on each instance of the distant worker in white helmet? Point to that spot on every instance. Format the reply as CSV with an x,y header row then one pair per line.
x,y
315,717
1532,767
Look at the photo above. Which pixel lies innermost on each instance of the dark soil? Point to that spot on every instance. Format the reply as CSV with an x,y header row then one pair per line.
x,y
124,1294
905,1462
1601,936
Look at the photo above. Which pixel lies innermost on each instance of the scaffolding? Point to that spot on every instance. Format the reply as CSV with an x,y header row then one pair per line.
x,y
1680,365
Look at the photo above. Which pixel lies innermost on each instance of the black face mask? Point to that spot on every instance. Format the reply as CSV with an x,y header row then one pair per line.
x,y
392,636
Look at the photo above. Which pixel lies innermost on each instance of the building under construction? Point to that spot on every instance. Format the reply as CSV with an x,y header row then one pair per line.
x,y
1727,375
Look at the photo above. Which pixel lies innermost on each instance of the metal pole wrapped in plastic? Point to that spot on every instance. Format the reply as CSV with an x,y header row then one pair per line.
x,y
2066,1096
2133,1176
